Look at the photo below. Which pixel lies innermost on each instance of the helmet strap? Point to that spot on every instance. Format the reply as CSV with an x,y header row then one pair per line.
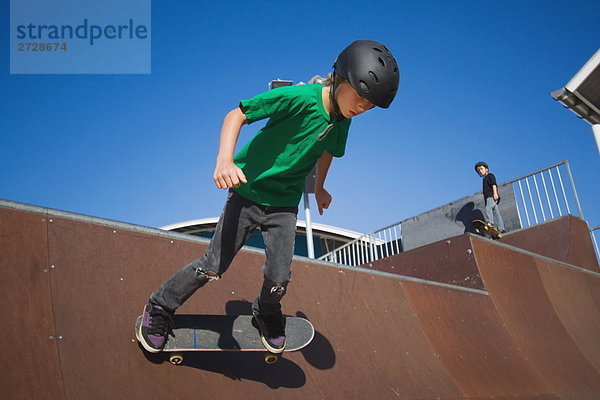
x,y
335,114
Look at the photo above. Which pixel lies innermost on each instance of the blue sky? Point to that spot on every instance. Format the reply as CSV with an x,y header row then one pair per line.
x,y
475,84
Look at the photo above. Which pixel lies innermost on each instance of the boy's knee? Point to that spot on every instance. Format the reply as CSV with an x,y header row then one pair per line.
x,y
207,276
204,270
277,289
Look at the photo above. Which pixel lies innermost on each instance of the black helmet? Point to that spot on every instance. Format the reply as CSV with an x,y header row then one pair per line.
x,y
481,164
371,70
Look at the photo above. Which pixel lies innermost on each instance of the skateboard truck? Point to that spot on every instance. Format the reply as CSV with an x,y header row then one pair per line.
x,y
483,227
177,358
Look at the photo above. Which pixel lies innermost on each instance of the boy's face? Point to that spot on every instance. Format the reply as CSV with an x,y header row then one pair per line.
x,y
350,102
481,170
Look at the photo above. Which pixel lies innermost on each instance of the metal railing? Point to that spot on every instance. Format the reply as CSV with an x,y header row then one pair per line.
x,y
539,196
369,247
593,235
543,195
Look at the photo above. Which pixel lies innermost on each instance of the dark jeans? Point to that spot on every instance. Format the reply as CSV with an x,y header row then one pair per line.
x,y
240,218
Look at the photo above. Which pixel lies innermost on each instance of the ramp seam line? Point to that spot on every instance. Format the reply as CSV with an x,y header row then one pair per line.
x,y
51,294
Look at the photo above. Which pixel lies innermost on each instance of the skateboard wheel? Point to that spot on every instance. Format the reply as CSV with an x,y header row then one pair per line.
x,y
176,358
271,358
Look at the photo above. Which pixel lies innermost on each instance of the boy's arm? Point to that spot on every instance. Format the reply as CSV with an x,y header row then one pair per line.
x,y
227,174
322,197
495,194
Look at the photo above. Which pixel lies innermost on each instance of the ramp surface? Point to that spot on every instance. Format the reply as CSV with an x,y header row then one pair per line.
x,y
524,326
564,239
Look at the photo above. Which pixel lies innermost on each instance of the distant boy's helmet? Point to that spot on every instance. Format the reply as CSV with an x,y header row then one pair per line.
x,y
371,70
481,164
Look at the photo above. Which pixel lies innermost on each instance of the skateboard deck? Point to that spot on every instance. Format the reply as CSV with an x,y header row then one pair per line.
x,y
229,333
483,227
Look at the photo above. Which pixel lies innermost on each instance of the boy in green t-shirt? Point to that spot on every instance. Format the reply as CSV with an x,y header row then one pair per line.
x,y
307,125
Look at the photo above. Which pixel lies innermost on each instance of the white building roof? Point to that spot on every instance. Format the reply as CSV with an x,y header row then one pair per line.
x,y
320,229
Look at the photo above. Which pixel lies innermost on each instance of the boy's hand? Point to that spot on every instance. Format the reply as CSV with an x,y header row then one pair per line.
x,y
228,175
323,199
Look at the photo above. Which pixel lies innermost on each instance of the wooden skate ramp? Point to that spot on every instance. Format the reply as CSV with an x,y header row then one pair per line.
x,y
564,239
72,287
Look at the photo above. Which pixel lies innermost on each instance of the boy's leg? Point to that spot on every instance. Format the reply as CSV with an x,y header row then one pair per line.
x,y
279,234
489,209
498,221
236,224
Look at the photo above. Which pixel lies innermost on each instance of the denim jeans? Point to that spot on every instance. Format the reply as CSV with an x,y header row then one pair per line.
x,y
239,219
493,213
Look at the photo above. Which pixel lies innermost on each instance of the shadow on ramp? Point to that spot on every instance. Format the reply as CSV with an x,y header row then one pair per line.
x,y
239,366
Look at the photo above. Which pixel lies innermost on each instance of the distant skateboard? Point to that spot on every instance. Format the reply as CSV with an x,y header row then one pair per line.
x,y
483,227
228,333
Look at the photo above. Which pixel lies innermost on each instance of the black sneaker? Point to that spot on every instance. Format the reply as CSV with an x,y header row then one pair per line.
x,y
156,326
272,332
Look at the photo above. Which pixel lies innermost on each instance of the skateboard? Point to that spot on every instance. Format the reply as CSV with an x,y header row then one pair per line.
x,y
228,333
483,227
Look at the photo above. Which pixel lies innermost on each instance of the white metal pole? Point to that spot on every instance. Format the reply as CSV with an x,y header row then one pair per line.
x,y
309,235
596,130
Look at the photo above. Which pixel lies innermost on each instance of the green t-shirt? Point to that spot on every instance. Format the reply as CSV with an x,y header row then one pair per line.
x,y
278,159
